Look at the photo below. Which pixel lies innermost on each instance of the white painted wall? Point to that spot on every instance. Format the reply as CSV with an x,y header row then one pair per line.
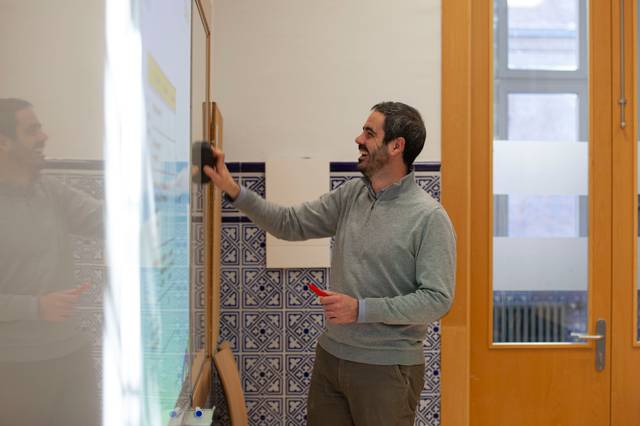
x,y
296,78
53,56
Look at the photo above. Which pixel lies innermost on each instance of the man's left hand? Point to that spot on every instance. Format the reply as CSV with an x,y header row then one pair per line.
x,y
340,308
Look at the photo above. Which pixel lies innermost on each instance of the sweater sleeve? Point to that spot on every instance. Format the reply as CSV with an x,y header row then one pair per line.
x,y
435,276
313,219
14,307
84,214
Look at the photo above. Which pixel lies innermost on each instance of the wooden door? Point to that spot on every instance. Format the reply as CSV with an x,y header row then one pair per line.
x,y
508,356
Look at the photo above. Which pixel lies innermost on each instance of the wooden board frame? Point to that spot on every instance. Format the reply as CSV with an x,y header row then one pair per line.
x,y
201,364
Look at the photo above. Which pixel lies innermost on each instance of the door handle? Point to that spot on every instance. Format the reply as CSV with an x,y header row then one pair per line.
x,y
600,338
582,336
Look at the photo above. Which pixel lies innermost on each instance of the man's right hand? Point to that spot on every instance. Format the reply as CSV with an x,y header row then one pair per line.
x,y
220,175
59,306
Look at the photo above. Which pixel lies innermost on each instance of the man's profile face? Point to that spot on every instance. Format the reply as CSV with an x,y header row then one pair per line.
x,y
28,146
373,152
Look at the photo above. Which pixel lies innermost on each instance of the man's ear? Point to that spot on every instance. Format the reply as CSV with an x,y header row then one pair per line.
x,y
397,146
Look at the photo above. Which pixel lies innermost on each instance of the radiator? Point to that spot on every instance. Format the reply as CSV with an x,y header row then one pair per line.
x,y
523,322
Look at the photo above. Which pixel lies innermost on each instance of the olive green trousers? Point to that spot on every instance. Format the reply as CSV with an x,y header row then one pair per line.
x,y
351,393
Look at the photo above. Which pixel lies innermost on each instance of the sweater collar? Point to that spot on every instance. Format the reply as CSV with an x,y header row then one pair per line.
x,y
394,190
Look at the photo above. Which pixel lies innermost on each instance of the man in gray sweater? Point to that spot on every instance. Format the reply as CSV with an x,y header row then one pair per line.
x,y
392,273
46,369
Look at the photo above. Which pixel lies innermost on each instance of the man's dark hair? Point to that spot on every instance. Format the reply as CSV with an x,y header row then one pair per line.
x,y
402,120
8,109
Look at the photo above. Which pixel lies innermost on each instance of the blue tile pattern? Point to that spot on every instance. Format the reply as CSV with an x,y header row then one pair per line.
x,y
297,293
262,331
88,255
230,288
262,288
273,321
296,413
230,244
253,245
298,374
262,374
302,330
265,411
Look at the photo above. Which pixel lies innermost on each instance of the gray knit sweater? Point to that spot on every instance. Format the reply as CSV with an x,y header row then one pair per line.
x,y
394,249
36,258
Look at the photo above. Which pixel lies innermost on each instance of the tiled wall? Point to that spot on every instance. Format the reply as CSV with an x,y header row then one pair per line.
x,y
89,255
269,317
273,322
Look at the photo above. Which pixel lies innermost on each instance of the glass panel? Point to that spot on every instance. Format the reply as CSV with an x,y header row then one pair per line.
x,y
543,34
544,216
164,222
53,260
543,117
540,160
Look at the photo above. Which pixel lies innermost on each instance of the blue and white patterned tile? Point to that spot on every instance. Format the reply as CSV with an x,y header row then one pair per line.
x,y
198,285
199,333
265,326
265,411
262,331
430,182
262,374
89,183
88,251
197,229
338,179
297,293
432,339
197,201
298,374
90,324
230,244
253,245
254,182
197,244
296,414
262,288
428,411
228,210
302,330
431,373
221,415
96,277
230,287
230,329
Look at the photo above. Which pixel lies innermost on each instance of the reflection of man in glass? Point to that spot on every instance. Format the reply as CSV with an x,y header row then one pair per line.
x,y
46,370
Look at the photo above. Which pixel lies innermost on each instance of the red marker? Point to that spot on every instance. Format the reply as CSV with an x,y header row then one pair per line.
x,y
316,290
77,291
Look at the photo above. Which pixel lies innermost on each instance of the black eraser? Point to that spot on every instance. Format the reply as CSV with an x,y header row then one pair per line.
x,y
201,155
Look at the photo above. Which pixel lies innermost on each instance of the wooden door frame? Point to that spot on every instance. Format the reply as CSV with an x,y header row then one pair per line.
x,y
625,350
456,198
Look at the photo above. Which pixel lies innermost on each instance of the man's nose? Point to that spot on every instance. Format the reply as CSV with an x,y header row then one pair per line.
x,y
359,140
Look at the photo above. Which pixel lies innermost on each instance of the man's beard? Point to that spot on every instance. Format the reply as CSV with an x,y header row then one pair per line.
x,y
374,161
29,159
